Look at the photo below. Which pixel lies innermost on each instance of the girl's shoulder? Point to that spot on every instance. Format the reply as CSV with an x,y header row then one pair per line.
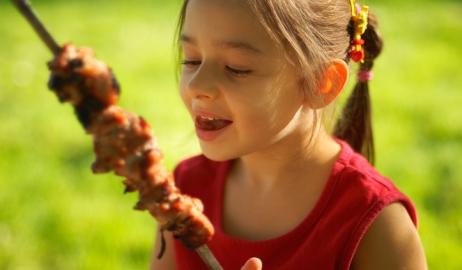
x,y
356,172
359,189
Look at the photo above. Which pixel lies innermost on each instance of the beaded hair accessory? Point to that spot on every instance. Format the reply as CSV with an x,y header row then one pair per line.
x,y
359,16
365,75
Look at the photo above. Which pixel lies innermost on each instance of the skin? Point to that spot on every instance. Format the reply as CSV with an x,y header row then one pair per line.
x,y
260,92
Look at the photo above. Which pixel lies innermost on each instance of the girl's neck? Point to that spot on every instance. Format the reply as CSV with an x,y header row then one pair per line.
x,y
288,160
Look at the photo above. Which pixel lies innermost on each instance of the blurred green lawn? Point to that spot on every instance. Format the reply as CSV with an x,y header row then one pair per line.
x,y
54,214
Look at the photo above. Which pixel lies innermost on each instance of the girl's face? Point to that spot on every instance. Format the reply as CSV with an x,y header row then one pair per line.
x,y
234,72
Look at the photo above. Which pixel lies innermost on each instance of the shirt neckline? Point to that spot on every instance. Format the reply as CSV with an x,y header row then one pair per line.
x,y
310,219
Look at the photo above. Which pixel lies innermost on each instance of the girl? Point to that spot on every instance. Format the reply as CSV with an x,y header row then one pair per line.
x,y
258,79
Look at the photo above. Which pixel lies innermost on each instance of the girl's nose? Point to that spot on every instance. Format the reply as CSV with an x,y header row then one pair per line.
x,y
203,83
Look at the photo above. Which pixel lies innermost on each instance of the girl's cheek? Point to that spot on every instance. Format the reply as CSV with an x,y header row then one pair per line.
x,y
252,94
184,82
183,91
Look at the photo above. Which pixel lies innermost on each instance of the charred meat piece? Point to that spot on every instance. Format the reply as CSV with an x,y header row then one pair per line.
x,y
78,78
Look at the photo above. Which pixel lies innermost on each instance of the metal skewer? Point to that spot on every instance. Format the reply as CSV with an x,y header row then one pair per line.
x,y
207,256
26,10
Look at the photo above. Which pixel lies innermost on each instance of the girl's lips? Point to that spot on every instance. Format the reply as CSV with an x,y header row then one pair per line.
x,y
209,135
211,123
209,126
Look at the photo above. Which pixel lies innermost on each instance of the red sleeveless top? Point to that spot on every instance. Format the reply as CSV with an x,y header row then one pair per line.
x,y
327,238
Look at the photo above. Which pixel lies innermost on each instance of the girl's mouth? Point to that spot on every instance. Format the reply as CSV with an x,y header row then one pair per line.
x,y
209,128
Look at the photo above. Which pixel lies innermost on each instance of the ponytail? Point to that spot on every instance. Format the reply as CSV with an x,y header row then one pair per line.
x,y
355,123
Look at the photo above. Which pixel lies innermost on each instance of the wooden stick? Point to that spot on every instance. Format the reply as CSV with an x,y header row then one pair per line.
x,y
25,8
207,256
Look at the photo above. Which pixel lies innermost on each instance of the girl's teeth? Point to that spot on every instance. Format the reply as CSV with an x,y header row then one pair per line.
x,y
211,123
208,118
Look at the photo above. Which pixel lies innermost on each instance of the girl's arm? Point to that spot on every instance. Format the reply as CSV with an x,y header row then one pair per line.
x,y
392,242
167,262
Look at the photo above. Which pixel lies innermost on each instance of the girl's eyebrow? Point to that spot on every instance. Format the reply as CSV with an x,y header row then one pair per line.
x,y
227,44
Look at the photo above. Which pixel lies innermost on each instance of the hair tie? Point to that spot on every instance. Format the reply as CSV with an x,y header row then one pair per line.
x,y
359,16
365,75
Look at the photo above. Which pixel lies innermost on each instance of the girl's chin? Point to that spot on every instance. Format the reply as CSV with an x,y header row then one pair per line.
x,y
216,154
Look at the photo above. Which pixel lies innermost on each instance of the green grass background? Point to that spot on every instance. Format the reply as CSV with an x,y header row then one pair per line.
x,y
54,214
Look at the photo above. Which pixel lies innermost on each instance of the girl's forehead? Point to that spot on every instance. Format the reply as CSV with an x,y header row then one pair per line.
x,y
231,5
224,21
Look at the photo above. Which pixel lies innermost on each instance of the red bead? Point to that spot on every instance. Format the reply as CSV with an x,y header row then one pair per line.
x,y
356,55
358,42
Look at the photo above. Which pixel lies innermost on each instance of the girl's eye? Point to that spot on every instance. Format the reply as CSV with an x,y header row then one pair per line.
x,y
191,63
238,72
234,71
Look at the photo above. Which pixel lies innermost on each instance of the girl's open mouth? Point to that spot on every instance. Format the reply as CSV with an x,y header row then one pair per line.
x,y
209,128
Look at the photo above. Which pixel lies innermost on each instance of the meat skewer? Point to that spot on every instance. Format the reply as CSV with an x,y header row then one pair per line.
x,y
123,141
26,10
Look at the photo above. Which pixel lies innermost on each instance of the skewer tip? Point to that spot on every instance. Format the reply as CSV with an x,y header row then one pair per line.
x,y
26,10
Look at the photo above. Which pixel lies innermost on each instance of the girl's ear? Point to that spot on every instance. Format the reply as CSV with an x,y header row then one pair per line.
x,y
332,82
